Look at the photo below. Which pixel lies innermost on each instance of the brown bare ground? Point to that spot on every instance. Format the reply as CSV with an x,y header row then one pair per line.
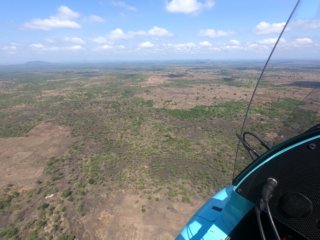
x,y
56,92
122,218
185,98
208,94
154,81
23,159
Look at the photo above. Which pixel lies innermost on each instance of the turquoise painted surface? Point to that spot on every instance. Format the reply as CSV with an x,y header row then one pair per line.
x,y
213,224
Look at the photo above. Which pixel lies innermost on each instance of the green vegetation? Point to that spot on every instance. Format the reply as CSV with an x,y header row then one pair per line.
x,y
232,110
285,116
278,108
66,193
66,237
122,139
9,233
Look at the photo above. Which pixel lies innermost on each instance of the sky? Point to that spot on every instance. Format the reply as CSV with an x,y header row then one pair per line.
x,y
128,30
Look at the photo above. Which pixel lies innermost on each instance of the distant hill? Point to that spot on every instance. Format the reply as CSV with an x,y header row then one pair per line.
x,y
38,64
30,66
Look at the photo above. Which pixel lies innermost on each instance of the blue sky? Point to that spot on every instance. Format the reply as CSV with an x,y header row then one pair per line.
x,y
111,30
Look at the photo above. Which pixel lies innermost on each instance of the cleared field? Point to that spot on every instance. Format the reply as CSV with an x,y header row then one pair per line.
x,y
23,159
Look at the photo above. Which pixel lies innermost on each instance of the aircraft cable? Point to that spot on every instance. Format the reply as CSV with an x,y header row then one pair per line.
x,y
258,214
261,75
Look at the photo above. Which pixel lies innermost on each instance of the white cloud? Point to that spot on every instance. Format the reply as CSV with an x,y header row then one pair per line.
x,y
63,19
235,42
75,40
114,35
75,47
48,24
110,47
66,13
11,48
214,33
154,31
160,32
41,47
187,45
205,44
100,40
267,28
37,46
123,5
303,41
179,48
146,45
232,47
307,24
132,34
271,41
117,34
51,48
94,19
253,46
106,46
188,6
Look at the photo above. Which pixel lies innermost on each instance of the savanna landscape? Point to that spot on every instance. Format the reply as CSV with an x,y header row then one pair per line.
x,y
131,150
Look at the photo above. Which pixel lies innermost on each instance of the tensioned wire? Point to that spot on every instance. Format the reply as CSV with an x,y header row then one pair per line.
x,y
259,80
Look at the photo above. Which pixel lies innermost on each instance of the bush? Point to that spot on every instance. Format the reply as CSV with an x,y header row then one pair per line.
x,y
44,206
92,181
66,193
66,237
